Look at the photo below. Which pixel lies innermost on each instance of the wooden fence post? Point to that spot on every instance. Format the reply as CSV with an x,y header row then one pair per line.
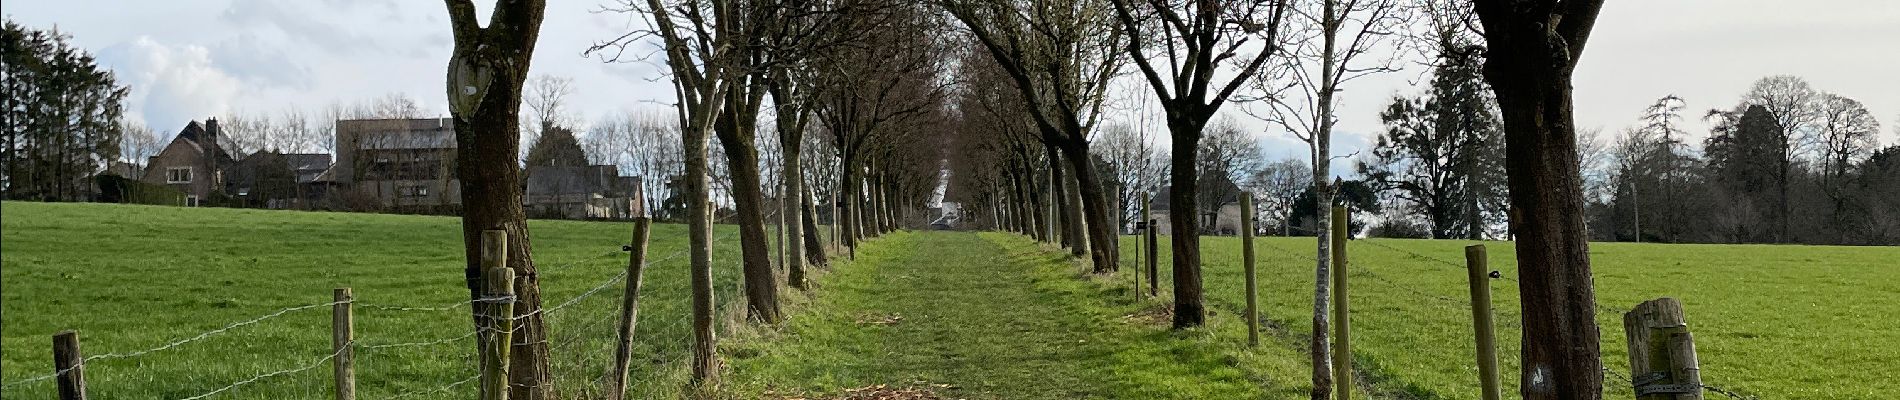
x,y
70,365
1247,264
498,285
1663,363
343,342
1342,326
629,307
1154,269
1478,270
1141,242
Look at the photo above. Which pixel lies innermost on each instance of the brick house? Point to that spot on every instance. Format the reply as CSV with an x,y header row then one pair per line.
x,y
193,163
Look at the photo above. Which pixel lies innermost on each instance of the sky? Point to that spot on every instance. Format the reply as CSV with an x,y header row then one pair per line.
x,y
191,59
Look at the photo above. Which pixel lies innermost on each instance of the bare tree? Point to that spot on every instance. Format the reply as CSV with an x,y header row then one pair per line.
x,y
1533,47
1194,40
485,78
1847,134
1135,164
137,142
1061,56
1339,35
1280,184
698,39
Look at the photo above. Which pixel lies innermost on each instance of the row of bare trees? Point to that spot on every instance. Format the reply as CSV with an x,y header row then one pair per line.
x,y
854,94
872,76
1294,57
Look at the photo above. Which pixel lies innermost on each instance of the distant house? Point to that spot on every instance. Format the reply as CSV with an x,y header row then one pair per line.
x,y
590,192
397,163
274,180
193,163
1225,220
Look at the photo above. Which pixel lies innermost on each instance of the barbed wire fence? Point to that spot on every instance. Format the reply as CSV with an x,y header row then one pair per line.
x,y
1362,270
670,341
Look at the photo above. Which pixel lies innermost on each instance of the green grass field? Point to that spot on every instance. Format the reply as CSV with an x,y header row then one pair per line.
x,y
995,316
131,278
1774,321
1769,320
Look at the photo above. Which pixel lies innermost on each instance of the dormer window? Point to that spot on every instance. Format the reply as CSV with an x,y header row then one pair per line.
x,y
178,175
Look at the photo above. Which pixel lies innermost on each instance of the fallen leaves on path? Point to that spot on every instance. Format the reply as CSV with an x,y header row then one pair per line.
x,y
879,392
888,320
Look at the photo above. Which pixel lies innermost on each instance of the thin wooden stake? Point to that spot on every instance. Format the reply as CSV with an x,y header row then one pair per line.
x,y
1154,267
1247,263
343,342
499,288
629,307
1478,270
1342,327
70,366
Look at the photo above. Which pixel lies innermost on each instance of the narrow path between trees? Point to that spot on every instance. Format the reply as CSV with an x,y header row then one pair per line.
x,y
991,315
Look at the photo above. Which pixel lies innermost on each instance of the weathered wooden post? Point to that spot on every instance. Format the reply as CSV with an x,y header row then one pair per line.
x,y
1663,363
343,342
1247,258
629,307
1478,270
1342,327
70,365
1154,269
498,286
1140,242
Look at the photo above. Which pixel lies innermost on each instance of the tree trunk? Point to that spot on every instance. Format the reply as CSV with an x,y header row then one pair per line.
x,y
848,205
485,75
814,246
1322,165
1184,224
1066,211
1529,64
1100,217
742,160
795,205
699,227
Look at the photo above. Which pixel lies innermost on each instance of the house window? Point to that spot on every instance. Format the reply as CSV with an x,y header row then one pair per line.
x,y
191,200
178,175
413,191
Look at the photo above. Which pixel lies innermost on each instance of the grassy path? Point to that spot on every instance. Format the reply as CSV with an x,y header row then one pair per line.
x,y
992,316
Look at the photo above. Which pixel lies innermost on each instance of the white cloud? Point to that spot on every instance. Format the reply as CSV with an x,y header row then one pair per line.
x,y
171,84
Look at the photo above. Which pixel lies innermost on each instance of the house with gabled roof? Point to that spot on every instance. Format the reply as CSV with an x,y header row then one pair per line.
x,y
193,163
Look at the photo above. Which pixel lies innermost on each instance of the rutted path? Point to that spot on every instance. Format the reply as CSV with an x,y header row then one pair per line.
x,y
989,315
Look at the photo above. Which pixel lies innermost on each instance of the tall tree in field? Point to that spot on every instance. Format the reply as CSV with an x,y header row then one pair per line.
x,y
1338,36
1848,133
1061,56
485,76
1532,49
1791,101
1179,48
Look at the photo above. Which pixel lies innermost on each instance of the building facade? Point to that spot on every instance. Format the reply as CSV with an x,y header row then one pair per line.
x,y
193,163
405,164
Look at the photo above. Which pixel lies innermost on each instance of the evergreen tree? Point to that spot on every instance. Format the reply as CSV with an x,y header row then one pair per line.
x,y
557,147
59,119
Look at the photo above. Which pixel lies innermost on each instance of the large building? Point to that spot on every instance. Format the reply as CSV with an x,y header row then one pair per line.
x,y
397,163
